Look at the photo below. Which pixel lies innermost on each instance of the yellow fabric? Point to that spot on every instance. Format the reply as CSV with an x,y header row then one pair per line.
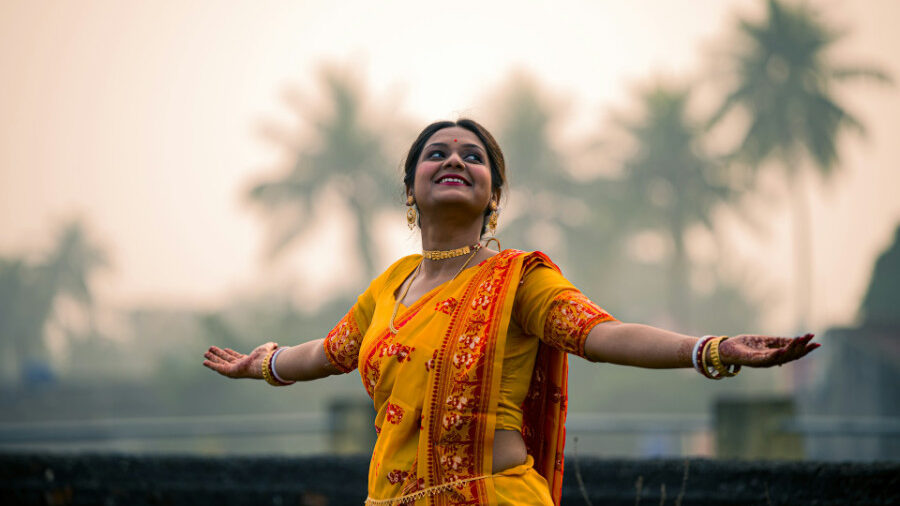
x,y
539,288
395,370
521,485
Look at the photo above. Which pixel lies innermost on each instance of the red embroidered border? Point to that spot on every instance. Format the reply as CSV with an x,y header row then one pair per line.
x,y
342,343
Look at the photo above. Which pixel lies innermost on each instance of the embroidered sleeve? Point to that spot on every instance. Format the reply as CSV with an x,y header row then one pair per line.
x,y
342,343
569,321
550,307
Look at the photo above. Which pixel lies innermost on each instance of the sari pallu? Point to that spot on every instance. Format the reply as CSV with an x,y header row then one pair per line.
x,y
436,383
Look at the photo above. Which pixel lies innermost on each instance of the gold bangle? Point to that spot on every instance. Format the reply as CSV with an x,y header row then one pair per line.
x,y
267,374
704,364
720,367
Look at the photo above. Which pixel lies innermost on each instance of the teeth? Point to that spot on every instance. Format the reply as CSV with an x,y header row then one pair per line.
x,y
454,179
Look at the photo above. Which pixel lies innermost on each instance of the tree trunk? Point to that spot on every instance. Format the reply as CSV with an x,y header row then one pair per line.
x,y
803,259
679,291
364,239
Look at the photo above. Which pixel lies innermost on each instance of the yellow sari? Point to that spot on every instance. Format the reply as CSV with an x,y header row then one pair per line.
x,y
436,384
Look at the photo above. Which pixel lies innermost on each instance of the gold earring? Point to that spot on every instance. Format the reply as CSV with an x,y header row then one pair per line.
x,y
411,214
492,219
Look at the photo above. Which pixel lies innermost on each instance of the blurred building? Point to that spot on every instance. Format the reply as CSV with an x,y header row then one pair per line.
x,y
862,378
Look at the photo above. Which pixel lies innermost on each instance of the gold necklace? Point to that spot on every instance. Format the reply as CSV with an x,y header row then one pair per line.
x,y
394,330
450,253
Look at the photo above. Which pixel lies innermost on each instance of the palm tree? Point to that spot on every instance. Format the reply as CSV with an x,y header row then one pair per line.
x,y
676,183
544,204
28,292
347,155
785,84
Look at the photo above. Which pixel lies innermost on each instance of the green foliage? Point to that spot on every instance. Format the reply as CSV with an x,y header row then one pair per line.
x,y
785,83
541,187
346,154
29,291
670,183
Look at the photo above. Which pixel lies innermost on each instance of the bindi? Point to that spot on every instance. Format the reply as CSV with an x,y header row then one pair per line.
x,y
454,140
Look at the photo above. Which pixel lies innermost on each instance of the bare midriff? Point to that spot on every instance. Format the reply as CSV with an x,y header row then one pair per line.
x,y
509,450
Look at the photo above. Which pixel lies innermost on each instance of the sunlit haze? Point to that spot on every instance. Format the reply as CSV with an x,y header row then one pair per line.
x,y
144,118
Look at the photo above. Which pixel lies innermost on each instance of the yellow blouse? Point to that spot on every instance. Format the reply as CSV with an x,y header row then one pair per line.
x,y
396,369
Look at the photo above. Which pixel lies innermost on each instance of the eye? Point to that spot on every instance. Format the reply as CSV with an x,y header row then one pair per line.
x,y
474,157
434,155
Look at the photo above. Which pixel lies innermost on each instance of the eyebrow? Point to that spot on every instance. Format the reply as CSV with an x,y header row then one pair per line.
x,y
445,145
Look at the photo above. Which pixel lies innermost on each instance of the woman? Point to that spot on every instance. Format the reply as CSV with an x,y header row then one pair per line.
x,y
463,349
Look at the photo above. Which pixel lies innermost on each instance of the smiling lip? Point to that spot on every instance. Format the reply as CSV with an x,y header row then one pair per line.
x,y
452,181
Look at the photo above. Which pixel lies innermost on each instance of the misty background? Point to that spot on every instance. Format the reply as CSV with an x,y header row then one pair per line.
x,y
175,176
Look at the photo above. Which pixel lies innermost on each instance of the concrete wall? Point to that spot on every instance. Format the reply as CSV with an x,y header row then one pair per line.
x,y
325,481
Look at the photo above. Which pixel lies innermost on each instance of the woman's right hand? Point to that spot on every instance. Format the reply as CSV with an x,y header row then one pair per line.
x,y
228,362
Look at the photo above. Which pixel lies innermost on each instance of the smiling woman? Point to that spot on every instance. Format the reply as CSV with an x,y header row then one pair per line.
x,y
460,144
464,349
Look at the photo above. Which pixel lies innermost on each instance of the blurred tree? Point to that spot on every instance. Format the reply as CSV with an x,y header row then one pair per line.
x,y
29,292
70,265
785,85
346,154
676,183
545,206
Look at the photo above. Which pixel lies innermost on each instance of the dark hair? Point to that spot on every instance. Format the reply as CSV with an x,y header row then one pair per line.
x,y
494,154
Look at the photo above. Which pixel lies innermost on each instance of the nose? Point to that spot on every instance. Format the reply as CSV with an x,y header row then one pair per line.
x,y
454,161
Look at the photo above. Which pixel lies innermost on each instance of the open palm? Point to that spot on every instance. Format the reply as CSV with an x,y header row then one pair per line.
x,y
765,351
228,362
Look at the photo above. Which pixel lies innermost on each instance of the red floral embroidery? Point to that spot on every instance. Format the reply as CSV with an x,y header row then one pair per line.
x,y
412,482
396,476
457,402
464,360
396,350
556,394
446,306
393,413
481,302
455,463
429,365
342,343
452,421
569,321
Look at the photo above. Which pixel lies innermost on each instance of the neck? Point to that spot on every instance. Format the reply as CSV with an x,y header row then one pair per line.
x,y
444,238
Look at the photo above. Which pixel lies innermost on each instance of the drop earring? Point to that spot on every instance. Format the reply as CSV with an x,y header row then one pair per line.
x,y
411,214
492,219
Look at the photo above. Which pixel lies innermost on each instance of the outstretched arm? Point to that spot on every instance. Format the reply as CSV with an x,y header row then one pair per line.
x,y
303,362
645,346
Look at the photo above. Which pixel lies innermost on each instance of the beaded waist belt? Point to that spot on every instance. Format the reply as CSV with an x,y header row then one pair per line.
x,y
425,492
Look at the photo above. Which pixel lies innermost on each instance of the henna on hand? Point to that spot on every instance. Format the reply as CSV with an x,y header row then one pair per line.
x,y
765,351
232,364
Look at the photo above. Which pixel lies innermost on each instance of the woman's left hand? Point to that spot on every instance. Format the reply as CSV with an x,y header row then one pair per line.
x,y
764,351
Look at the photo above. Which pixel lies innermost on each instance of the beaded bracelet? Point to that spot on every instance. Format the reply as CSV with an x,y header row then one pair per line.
x,y
267,370
710,371
723,370
275,371
698,356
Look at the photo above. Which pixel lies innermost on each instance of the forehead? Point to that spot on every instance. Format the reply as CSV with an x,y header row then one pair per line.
x,y
455,135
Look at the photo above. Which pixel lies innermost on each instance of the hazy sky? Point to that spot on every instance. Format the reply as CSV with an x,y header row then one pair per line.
x,y
143,118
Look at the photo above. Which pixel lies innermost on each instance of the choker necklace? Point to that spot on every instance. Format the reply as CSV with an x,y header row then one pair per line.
x,y
450,253
415,273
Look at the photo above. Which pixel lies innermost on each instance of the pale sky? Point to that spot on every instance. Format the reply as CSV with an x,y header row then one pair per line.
x,y
143,118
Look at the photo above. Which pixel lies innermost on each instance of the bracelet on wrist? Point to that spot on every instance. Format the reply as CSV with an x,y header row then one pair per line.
x,y
716,359
267,371
712,367
275,370
698,357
